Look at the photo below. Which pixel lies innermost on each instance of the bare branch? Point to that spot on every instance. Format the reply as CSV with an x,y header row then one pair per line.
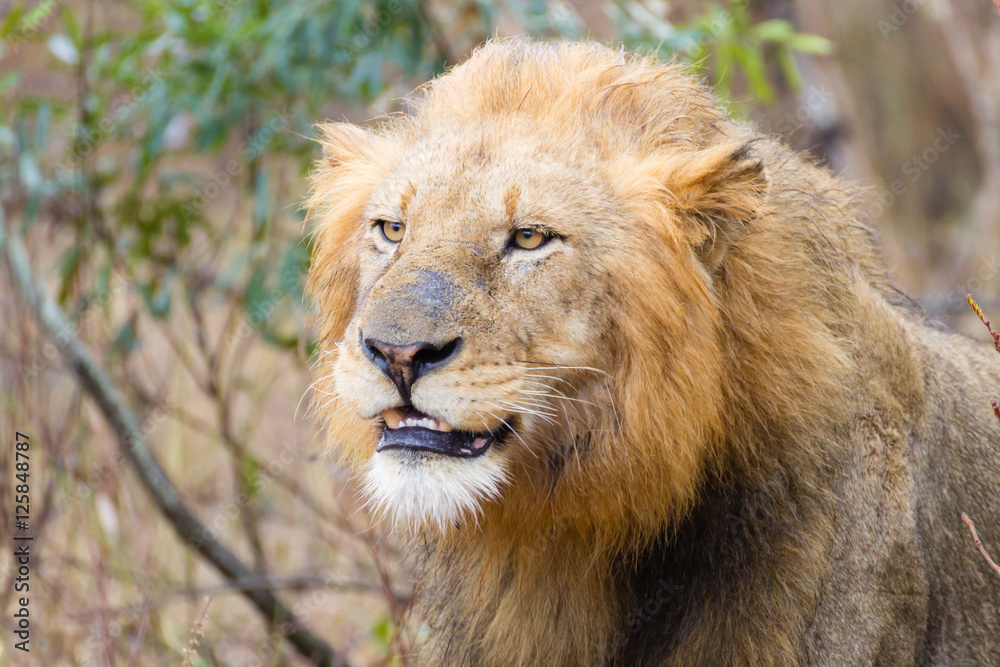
x,y
125,424
982,549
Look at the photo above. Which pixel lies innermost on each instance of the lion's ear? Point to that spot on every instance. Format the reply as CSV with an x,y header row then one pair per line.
x,y
342,142
722,191
342,182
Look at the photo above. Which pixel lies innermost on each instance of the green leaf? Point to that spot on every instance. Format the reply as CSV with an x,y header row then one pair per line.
x,y
127,341
68,266
7,27
42,122
814,44
259,299
250,477
261,201
39,13
294,265
31,175
9,80
7,137
158,300
775,30
382,631
790,69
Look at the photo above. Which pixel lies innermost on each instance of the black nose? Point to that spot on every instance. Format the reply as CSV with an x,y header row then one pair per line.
x,y
403,364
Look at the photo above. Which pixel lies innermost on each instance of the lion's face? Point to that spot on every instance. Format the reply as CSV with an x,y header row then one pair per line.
x,y
483,318
514,289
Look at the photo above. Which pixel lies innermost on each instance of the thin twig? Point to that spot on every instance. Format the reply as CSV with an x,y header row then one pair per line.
x,y
197,632
982,549
996,344
125,424
982,318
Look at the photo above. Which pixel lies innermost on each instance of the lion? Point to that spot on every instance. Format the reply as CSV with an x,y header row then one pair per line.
x,y
632,382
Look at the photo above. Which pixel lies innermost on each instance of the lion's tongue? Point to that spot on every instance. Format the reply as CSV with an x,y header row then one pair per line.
x,y
479,443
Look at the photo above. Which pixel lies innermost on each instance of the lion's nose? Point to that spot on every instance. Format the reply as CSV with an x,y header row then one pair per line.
x,y
403,364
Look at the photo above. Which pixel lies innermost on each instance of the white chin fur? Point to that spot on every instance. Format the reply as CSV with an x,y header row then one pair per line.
x,y
414,490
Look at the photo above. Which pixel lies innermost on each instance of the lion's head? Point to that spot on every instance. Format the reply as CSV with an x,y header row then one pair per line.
x,y
518,290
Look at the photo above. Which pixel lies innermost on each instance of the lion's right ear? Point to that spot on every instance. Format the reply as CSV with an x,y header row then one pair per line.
x,y
342,142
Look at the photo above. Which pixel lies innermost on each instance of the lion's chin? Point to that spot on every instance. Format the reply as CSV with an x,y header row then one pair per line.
x,y
415,490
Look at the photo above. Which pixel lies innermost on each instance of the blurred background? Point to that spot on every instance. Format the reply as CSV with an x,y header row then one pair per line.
x,y
153,154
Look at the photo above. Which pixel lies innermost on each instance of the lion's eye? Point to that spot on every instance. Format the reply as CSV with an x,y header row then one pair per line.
x,y
392,231
529,239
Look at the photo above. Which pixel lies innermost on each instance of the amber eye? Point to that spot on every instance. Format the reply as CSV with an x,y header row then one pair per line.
x,y
392,231
529,239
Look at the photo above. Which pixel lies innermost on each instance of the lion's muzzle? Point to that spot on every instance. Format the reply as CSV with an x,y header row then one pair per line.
x,y
409,330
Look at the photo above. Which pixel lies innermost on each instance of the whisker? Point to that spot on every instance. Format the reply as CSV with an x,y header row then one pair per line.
x,y
531,405
541,365
547,377
299,404
563,397
509,427
546,418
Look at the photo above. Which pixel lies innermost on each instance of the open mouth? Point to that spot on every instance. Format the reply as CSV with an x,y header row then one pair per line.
x,y
406,428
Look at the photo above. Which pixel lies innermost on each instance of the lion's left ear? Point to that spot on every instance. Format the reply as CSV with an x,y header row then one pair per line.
x,y
721,191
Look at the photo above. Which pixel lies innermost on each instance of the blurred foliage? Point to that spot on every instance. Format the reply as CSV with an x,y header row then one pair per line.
x,y
724,40
130,156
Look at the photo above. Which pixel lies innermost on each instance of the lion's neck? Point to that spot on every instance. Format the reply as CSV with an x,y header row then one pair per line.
x,y
549,596
519,599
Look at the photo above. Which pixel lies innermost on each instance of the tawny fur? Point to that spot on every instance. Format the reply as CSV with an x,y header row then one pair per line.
x,y
734,441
